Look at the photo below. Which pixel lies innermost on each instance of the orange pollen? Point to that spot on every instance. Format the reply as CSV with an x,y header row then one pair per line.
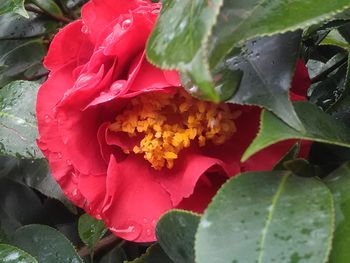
x,y
169,123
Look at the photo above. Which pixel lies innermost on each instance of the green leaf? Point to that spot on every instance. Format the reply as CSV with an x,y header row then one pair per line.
x,y
20,59
90,230
319,126
13,26
179,36
49,6
339,184
13,6
10,254
116,255
290,155
194,37
19,205
268,67
260,18
36,174
17,120
343,103
267,217
175,232
154,254
46,244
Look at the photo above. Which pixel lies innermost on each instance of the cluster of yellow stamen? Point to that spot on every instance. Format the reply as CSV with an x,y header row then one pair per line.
x,y
169,122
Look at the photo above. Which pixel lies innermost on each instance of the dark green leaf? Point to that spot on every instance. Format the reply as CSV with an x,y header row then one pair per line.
x,y
46,244
116,255
267,217
36,174
301,167
17,120
154,254
339,183
268,67
290,155
14,6
20,59
19,205
241,20
319,126
343,103
10,254
90,230
49,6
175,232
13,26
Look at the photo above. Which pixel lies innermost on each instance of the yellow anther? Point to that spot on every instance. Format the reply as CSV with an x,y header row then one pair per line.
x,y
171,122
170,155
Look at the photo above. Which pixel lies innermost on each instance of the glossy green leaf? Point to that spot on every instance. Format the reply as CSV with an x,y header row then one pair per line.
x,y
46,244
260,18
13,6
267,217
189,34
116,255
154,254
179,36
10,254
49,6
17,120
343,103
175,232
13,26
36,174
339,184
19,205
319,126
20,59
267,74
90,230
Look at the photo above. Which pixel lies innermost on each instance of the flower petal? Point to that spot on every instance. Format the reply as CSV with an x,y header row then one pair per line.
x,y
134,200
68,45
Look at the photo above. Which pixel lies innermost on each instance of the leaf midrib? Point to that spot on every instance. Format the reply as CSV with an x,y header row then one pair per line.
x,y
270,216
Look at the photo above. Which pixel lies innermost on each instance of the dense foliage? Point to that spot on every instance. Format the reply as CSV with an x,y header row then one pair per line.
x,y
242,52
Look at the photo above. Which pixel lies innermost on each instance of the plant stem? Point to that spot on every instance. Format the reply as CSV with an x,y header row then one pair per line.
x,y
102,244
43,12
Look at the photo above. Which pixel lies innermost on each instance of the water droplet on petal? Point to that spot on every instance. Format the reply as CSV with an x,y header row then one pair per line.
x,y
116,87
129,231
148,232
126,24
59,155
85,29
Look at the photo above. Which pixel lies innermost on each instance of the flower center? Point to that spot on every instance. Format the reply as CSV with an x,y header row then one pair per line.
x,y
169,123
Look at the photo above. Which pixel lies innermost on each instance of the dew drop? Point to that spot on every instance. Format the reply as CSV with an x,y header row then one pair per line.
x,y
148,232
129,230
126,24
59,155
69,162
145,220
85,29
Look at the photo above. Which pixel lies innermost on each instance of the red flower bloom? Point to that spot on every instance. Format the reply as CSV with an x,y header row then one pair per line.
x,y
122,138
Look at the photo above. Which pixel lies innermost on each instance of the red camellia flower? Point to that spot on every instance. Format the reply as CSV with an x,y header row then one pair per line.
x,y
122,137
